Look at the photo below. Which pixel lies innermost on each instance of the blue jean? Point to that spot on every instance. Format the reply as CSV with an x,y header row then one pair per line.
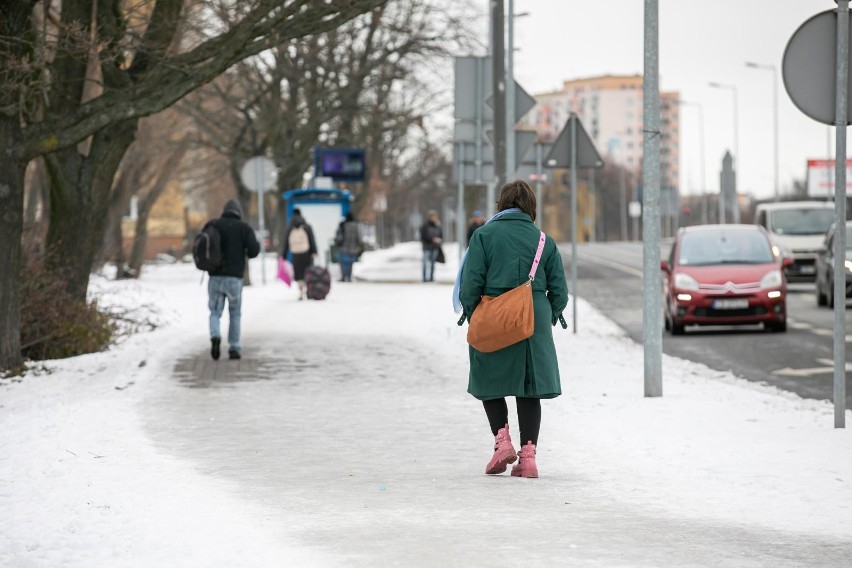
x,y
346,260
429,257
219,289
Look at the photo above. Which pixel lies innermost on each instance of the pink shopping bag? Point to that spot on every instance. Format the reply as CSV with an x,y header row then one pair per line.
x,y
285,271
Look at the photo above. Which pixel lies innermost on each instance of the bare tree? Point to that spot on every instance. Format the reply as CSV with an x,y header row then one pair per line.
x,y
359,85
78,74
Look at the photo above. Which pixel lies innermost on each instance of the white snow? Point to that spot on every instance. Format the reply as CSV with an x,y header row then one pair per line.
x,y
97,470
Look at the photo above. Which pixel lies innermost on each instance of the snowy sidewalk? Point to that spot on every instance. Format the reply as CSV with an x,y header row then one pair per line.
x,y
345,437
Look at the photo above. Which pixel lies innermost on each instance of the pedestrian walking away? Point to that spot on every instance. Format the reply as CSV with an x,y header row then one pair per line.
x,y
300,244
238,241
497,260
349,246
431,237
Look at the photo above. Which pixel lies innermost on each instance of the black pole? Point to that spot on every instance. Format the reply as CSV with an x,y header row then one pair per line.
x,y
498,74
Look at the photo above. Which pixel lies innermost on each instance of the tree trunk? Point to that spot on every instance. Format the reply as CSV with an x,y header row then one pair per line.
x,y
13,23
140,239
11,229
80,191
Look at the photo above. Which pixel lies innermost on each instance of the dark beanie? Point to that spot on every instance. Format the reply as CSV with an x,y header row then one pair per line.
x,y
232,209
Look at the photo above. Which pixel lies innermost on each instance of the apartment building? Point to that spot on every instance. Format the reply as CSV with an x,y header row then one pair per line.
x,y
610,109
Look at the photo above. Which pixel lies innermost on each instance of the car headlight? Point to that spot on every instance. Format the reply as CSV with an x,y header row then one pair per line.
x,y
685,282
771,279
780,251
848,265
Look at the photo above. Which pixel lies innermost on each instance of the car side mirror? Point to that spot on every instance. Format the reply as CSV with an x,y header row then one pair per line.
x,y
664,265
787,261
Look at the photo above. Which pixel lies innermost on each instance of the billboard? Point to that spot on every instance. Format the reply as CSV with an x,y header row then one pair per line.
x,y
821,178
340,164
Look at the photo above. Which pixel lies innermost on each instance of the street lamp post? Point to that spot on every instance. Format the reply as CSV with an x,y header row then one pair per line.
x,y
769,67
733,89
700,108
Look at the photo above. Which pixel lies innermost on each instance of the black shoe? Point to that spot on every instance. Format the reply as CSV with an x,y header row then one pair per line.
x,y
214,347
234,355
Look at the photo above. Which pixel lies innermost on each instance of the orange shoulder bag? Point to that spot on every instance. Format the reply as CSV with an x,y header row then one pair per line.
x,y
501,321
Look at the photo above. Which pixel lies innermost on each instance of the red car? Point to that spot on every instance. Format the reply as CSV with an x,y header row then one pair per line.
x,y
724,275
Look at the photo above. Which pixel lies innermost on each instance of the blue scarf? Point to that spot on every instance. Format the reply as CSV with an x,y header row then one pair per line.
x,y
457,307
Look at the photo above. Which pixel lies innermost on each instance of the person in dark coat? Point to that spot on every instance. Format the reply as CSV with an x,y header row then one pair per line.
x,y
238,241
476,222
349,246
301,245
499,258
431,237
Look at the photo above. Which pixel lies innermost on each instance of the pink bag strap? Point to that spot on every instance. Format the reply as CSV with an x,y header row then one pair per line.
x,y
537,258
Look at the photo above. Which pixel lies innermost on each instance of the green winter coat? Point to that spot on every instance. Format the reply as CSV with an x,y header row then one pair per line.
x,y
499,258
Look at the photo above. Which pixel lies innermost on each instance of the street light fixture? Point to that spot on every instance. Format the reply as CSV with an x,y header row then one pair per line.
x,y
770,67
733,89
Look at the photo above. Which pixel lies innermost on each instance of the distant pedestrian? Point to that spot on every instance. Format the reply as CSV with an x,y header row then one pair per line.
x,y
300,243
477,220
349,245
497,260
431,237
238,241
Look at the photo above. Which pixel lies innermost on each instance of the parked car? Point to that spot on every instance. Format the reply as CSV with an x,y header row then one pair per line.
x,y
797,228
724,275
825,268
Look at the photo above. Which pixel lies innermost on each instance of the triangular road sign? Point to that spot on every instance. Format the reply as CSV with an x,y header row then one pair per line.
x,y
523,102
560,154
524,139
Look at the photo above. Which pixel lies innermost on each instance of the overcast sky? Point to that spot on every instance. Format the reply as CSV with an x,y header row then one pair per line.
x,y
700,42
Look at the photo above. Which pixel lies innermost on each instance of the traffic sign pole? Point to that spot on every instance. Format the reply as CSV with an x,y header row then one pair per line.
x,y
841,116
259,174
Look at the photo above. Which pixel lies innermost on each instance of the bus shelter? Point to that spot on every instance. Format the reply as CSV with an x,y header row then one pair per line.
x,y
323,210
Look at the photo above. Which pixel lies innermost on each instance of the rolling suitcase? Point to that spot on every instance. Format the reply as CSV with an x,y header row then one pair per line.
x,y
317,282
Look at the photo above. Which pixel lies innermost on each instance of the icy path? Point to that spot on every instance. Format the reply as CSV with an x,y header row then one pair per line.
x,y
376,461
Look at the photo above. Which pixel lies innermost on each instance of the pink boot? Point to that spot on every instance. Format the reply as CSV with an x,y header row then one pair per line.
x,y
504,452
526,466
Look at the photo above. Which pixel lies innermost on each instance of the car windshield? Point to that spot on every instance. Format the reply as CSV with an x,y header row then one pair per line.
x,y
802,221
724,246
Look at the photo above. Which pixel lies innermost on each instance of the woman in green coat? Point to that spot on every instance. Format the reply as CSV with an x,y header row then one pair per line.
x,y
498,259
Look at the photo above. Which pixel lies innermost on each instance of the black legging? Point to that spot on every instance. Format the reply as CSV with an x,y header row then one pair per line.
x,y
529,416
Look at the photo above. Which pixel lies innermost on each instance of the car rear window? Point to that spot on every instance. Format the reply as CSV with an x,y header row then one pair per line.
x,y
725,246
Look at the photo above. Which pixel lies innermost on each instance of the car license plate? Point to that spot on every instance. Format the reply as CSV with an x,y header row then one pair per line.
x,y
730,304
807,269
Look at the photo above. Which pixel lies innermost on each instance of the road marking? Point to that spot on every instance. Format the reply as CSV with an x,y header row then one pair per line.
x,y
821,331
790,372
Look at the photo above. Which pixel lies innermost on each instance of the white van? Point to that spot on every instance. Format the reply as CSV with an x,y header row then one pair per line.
x,y
798,229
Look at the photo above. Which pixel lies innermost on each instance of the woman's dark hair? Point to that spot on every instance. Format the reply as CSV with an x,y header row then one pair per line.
x,y
518,194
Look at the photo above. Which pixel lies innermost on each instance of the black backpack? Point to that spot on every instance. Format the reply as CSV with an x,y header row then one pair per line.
x,y
207,249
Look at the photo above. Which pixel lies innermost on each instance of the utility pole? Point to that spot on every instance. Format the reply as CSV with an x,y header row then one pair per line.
x,y
498,75
651,316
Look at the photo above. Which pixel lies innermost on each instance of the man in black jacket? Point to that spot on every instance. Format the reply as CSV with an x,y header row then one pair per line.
x,y
226,283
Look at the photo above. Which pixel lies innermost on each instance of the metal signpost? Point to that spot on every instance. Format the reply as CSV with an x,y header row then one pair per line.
x,y
573,149
652,294
816,57
260,174
474,160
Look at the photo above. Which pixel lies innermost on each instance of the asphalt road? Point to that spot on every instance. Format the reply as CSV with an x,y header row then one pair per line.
x,y
609,276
